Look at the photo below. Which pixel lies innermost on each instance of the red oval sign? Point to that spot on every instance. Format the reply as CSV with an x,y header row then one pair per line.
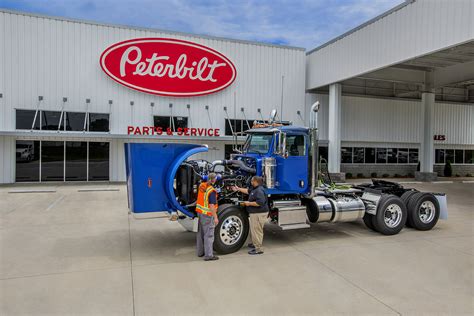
x,y
168,67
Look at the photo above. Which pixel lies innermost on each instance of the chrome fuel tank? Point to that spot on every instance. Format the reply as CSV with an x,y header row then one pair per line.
x,y
347,209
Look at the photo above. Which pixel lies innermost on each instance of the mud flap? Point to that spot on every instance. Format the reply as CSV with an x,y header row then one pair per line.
x,y
151,169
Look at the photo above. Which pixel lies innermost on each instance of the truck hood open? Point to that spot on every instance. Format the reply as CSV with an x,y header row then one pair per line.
x,y
151,169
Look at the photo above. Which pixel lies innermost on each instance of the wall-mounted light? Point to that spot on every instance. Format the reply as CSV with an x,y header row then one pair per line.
x,y
207,107
64,99
152,104
298,112
132,103
171,105
242,109
259,110
110,102
88,101
1,95
225,108
188,106
40,98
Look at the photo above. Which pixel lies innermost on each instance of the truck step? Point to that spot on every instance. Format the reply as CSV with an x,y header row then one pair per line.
x,y
294,226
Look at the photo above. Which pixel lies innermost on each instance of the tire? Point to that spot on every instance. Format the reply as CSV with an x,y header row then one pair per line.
x,y
232,230
406,199
368,218
391,215
423,211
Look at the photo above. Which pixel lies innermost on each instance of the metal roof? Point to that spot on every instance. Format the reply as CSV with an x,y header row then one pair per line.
x,y
128,27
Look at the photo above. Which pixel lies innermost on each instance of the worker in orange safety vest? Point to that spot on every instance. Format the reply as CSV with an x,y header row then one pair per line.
x,y
206,207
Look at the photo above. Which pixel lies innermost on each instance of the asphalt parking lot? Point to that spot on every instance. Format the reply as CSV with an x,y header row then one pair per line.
x,y
70,252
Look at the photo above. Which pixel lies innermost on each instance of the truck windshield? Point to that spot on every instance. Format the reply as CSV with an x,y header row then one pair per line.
x,y
258,143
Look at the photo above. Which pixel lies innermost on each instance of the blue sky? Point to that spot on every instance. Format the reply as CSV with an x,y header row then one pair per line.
x,y
305,23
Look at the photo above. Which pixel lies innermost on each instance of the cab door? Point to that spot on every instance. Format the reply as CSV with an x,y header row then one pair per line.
x,y
292,167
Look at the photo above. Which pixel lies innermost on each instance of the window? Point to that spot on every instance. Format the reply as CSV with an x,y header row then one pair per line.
x,y
27,160
98,161
381,155
237,126
52,161
439,156
258,143
76,161
413,155
165,122
24,119
392,155
98,122
458,156
358,155
370,155
469,156
295,145
346,154
402,155
323,153
449,155
74,121
50,120
228,150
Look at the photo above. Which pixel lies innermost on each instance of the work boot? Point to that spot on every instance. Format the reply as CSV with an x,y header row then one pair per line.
x,y
255,252
211,258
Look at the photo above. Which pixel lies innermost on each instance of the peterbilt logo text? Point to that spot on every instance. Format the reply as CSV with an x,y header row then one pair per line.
x,y
168,67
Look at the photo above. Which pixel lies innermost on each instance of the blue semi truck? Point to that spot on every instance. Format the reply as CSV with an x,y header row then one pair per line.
x,y
163,177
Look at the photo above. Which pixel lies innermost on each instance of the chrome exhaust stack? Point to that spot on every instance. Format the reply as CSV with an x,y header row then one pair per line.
x,y
313,124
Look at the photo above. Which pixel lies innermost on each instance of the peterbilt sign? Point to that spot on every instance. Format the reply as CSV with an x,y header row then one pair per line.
x,y
168,67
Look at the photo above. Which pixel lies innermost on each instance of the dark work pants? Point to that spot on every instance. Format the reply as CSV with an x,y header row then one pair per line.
x,y
205,236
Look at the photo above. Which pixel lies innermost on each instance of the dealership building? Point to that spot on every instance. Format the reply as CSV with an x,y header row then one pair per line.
x,y
395,92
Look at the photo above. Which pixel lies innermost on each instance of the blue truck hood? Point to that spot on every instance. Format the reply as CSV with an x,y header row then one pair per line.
x,y
151,169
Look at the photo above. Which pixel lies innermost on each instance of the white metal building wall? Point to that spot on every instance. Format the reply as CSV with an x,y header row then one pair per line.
x,y
60,58
390,121
417,28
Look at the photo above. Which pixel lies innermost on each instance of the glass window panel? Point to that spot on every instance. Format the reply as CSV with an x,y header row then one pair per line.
x,y
74,121
346,154
295,144
24,119
180,122
381,155
392,155
469,156
228,151
98,122
450,155
237,126
98,161
402,155
50,120
27,161
413,155
439,155
162,121
52,161
458,156
370,155
358,155
76,161
323,153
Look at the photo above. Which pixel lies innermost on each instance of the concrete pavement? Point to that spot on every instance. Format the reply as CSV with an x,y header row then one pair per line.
x,y
68,252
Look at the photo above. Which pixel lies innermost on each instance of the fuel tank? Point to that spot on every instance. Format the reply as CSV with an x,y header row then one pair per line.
x,y
151,170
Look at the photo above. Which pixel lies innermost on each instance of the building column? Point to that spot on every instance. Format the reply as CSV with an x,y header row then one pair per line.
x,y
334,132
426,156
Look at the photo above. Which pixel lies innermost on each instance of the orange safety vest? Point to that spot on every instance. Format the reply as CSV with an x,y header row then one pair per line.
x,y
202,203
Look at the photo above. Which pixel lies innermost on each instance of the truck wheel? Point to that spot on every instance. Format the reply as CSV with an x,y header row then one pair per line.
x,y
406,199
391,215
232,230
423,211
368,221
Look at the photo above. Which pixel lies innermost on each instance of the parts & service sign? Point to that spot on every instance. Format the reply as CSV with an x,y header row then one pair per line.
x,y
168,67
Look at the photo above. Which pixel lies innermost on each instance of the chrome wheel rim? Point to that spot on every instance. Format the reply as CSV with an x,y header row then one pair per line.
x,y
426,212
393,215
231,230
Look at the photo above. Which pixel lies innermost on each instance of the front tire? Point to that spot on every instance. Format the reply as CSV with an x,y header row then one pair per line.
x,y
391,215
232,230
